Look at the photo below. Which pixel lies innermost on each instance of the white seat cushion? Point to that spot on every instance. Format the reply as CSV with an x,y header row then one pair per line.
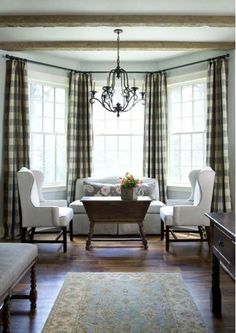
x,y
65,216
155,207
166,214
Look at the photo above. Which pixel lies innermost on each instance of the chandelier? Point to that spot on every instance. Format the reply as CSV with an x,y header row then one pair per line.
x,y
117,96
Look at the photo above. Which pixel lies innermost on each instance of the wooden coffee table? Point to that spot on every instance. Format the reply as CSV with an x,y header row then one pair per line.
x,y
115,210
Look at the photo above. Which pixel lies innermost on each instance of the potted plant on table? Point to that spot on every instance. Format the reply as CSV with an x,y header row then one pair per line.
x,y
129,187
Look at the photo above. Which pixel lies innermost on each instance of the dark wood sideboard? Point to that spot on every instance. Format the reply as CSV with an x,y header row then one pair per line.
x,y
223,251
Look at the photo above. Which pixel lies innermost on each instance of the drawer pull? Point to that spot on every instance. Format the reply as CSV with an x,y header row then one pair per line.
x,y
220,243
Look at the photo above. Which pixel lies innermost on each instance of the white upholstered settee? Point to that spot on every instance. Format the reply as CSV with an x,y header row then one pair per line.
x,y
106,186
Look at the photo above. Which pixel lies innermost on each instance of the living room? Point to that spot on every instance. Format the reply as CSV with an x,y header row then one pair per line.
x,y
168,49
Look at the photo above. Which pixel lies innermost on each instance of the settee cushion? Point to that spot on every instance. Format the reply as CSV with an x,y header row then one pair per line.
x,y
148,190
99,189
79,190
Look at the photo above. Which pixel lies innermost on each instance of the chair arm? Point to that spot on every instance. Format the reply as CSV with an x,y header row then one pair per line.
x,y
189,215
50,203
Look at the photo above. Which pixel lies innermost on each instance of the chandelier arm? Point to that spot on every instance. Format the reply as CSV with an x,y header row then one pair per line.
x,y
103,104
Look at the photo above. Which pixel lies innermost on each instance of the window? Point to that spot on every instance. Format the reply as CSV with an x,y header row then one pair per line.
x,y
118,141
187,129
47,103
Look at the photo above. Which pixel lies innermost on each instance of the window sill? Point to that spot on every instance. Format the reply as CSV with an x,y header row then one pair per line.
x,y
179,187
53,188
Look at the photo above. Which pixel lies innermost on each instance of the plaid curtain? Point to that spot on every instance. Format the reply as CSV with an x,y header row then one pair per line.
x,y
217,136
79,131
155,131
16,141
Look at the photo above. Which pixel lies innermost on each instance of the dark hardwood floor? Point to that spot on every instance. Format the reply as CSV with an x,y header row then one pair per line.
x,y
192,260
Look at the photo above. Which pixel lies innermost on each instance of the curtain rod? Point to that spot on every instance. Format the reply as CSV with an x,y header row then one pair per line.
x,y
103,72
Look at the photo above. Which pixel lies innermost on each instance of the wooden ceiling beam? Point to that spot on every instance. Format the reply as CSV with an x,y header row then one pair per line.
x,y
26,21
106,46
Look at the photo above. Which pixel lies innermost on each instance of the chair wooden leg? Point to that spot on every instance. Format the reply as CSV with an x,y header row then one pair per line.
x,y
162,230
71,230
167,237
64,229
23,234
6,315
32,233
200,231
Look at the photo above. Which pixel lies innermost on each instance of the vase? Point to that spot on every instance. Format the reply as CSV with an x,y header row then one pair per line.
x,y
129,193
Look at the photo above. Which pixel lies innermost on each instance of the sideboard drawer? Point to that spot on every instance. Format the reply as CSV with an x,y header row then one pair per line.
x,y
224,248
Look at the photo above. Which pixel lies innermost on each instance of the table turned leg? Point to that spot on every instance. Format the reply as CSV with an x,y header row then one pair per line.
x,y
33,289
6,315
215,287
142,234
90,235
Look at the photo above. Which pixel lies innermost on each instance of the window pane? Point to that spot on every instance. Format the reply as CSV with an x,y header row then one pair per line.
x,y
48,151
199,108
187,125
124,143
36,91
199,91
175,95
174,142
111,127
36,160
137,126
123,146
187,93
49,169
60,159
185,142
199,124
187,116
124,127
111,143
176,110
198,142
59,126
48,125
137,143
176,125
48,94
99,126
60,111
60,95
187,109
198,158
49,110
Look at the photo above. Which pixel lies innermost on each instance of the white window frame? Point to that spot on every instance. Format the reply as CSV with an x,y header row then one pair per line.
x,y
54,81
104,134
181,81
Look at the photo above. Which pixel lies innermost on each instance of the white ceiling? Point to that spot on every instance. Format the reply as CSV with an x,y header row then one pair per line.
x,y
151,7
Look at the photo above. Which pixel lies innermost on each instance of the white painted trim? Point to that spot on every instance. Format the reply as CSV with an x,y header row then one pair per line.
x,y
53,189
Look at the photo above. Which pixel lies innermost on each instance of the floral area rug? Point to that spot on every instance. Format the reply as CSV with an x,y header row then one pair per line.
x,y
124,303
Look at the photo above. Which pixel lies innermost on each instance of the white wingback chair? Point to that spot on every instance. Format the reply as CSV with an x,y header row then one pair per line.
x,y
191,214
37,212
